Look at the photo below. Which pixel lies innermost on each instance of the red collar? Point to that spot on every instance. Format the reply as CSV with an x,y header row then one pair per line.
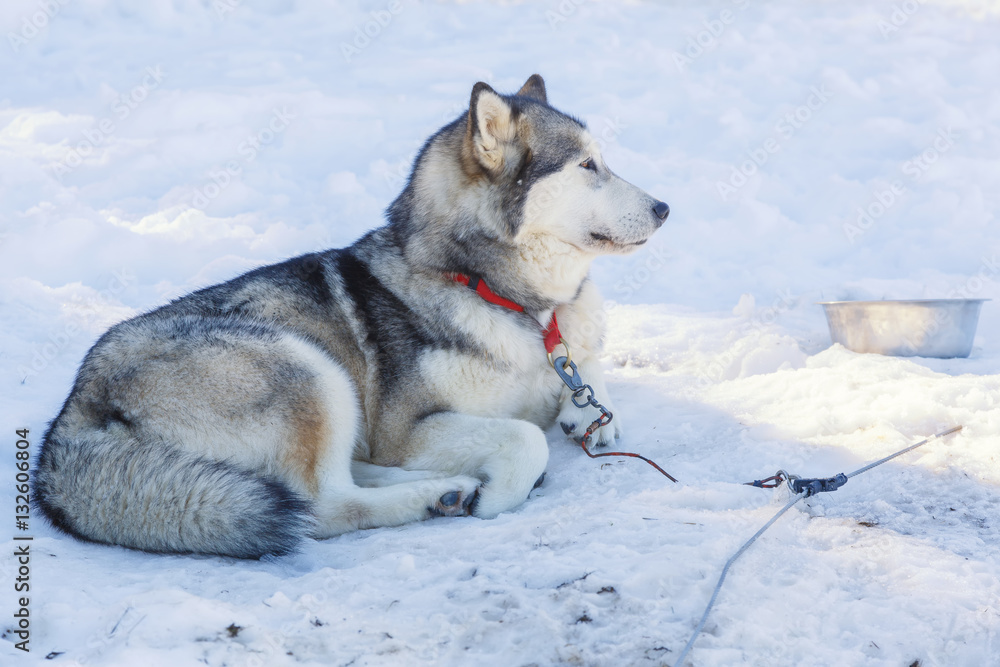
x,y
478,285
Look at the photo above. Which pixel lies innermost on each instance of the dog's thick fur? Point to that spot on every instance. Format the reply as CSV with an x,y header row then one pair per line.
x,y
359,387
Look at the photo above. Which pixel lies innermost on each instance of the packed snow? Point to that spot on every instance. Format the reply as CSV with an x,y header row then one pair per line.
x,y
809,151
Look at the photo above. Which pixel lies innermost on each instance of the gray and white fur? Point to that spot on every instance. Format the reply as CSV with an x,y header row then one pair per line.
x,y
359,387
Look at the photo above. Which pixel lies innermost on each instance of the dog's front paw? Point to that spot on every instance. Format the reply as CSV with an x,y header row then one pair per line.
x,y
575,421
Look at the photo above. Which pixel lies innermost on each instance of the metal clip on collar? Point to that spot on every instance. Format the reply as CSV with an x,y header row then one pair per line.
x,y
566,370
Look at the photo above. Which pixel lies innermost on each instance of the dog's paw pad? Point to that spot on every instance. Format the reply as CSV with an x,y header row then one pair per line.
x,y
567,428
454,503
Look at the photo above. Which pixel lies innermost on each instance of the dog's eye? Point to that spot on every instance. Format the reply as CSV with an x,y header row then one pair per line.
x,y
589,164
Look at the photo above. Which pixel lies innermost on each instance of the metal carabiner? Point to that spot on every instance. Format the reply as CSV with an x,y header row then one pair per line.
x,y
566,370
589,400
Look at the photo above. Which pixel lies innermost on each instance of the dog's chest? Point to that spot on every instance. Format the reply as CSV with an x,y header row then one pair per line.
x,y
525,388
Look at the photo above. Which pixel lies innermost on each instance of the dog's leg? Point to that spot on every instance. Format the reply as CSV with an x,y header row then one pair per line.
x,y
584,325
387,497
323,430
369,474
343,508
508,455
381,496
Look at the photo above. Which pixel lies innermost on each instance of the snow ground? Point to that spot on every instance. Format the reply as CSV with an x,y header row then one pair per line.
x,y
115,117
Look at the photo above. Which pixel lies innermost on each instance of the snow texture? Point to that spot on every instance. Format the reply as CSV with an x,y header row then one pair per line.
x,y
809,151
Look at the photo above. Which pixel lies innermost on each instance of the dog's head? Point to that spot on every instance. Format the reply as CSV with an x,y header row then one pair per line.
x,y
547,175
518,192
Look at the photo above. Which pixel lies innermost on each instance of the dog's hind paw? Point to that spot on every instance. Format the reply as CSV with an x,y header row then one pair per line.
x,y
459,501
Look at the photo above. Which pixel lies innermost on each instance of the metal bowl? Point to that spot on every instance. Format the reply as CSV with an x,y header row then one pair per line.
x,y
942,328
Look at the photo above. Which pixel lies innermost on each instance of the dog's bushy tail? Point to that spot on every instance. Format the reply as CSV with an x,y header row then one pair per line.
x,y
117,489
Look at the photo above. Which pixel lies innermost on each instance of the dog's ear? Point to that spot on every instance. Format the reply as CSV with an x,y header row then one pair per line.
x,y
491,126
534,88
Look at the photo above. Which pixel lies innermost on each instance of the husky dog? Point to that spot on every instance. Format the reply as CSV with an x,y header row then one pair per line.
x,y
366,386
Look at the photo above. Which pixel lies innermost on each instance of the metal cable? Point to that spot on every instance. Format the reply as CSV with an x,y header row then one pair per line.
x,y
799,496
868,467
725,570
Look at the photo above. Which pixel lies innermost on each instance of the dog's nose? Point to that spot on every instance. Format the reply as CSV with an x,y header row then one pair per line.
x,y
661,210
